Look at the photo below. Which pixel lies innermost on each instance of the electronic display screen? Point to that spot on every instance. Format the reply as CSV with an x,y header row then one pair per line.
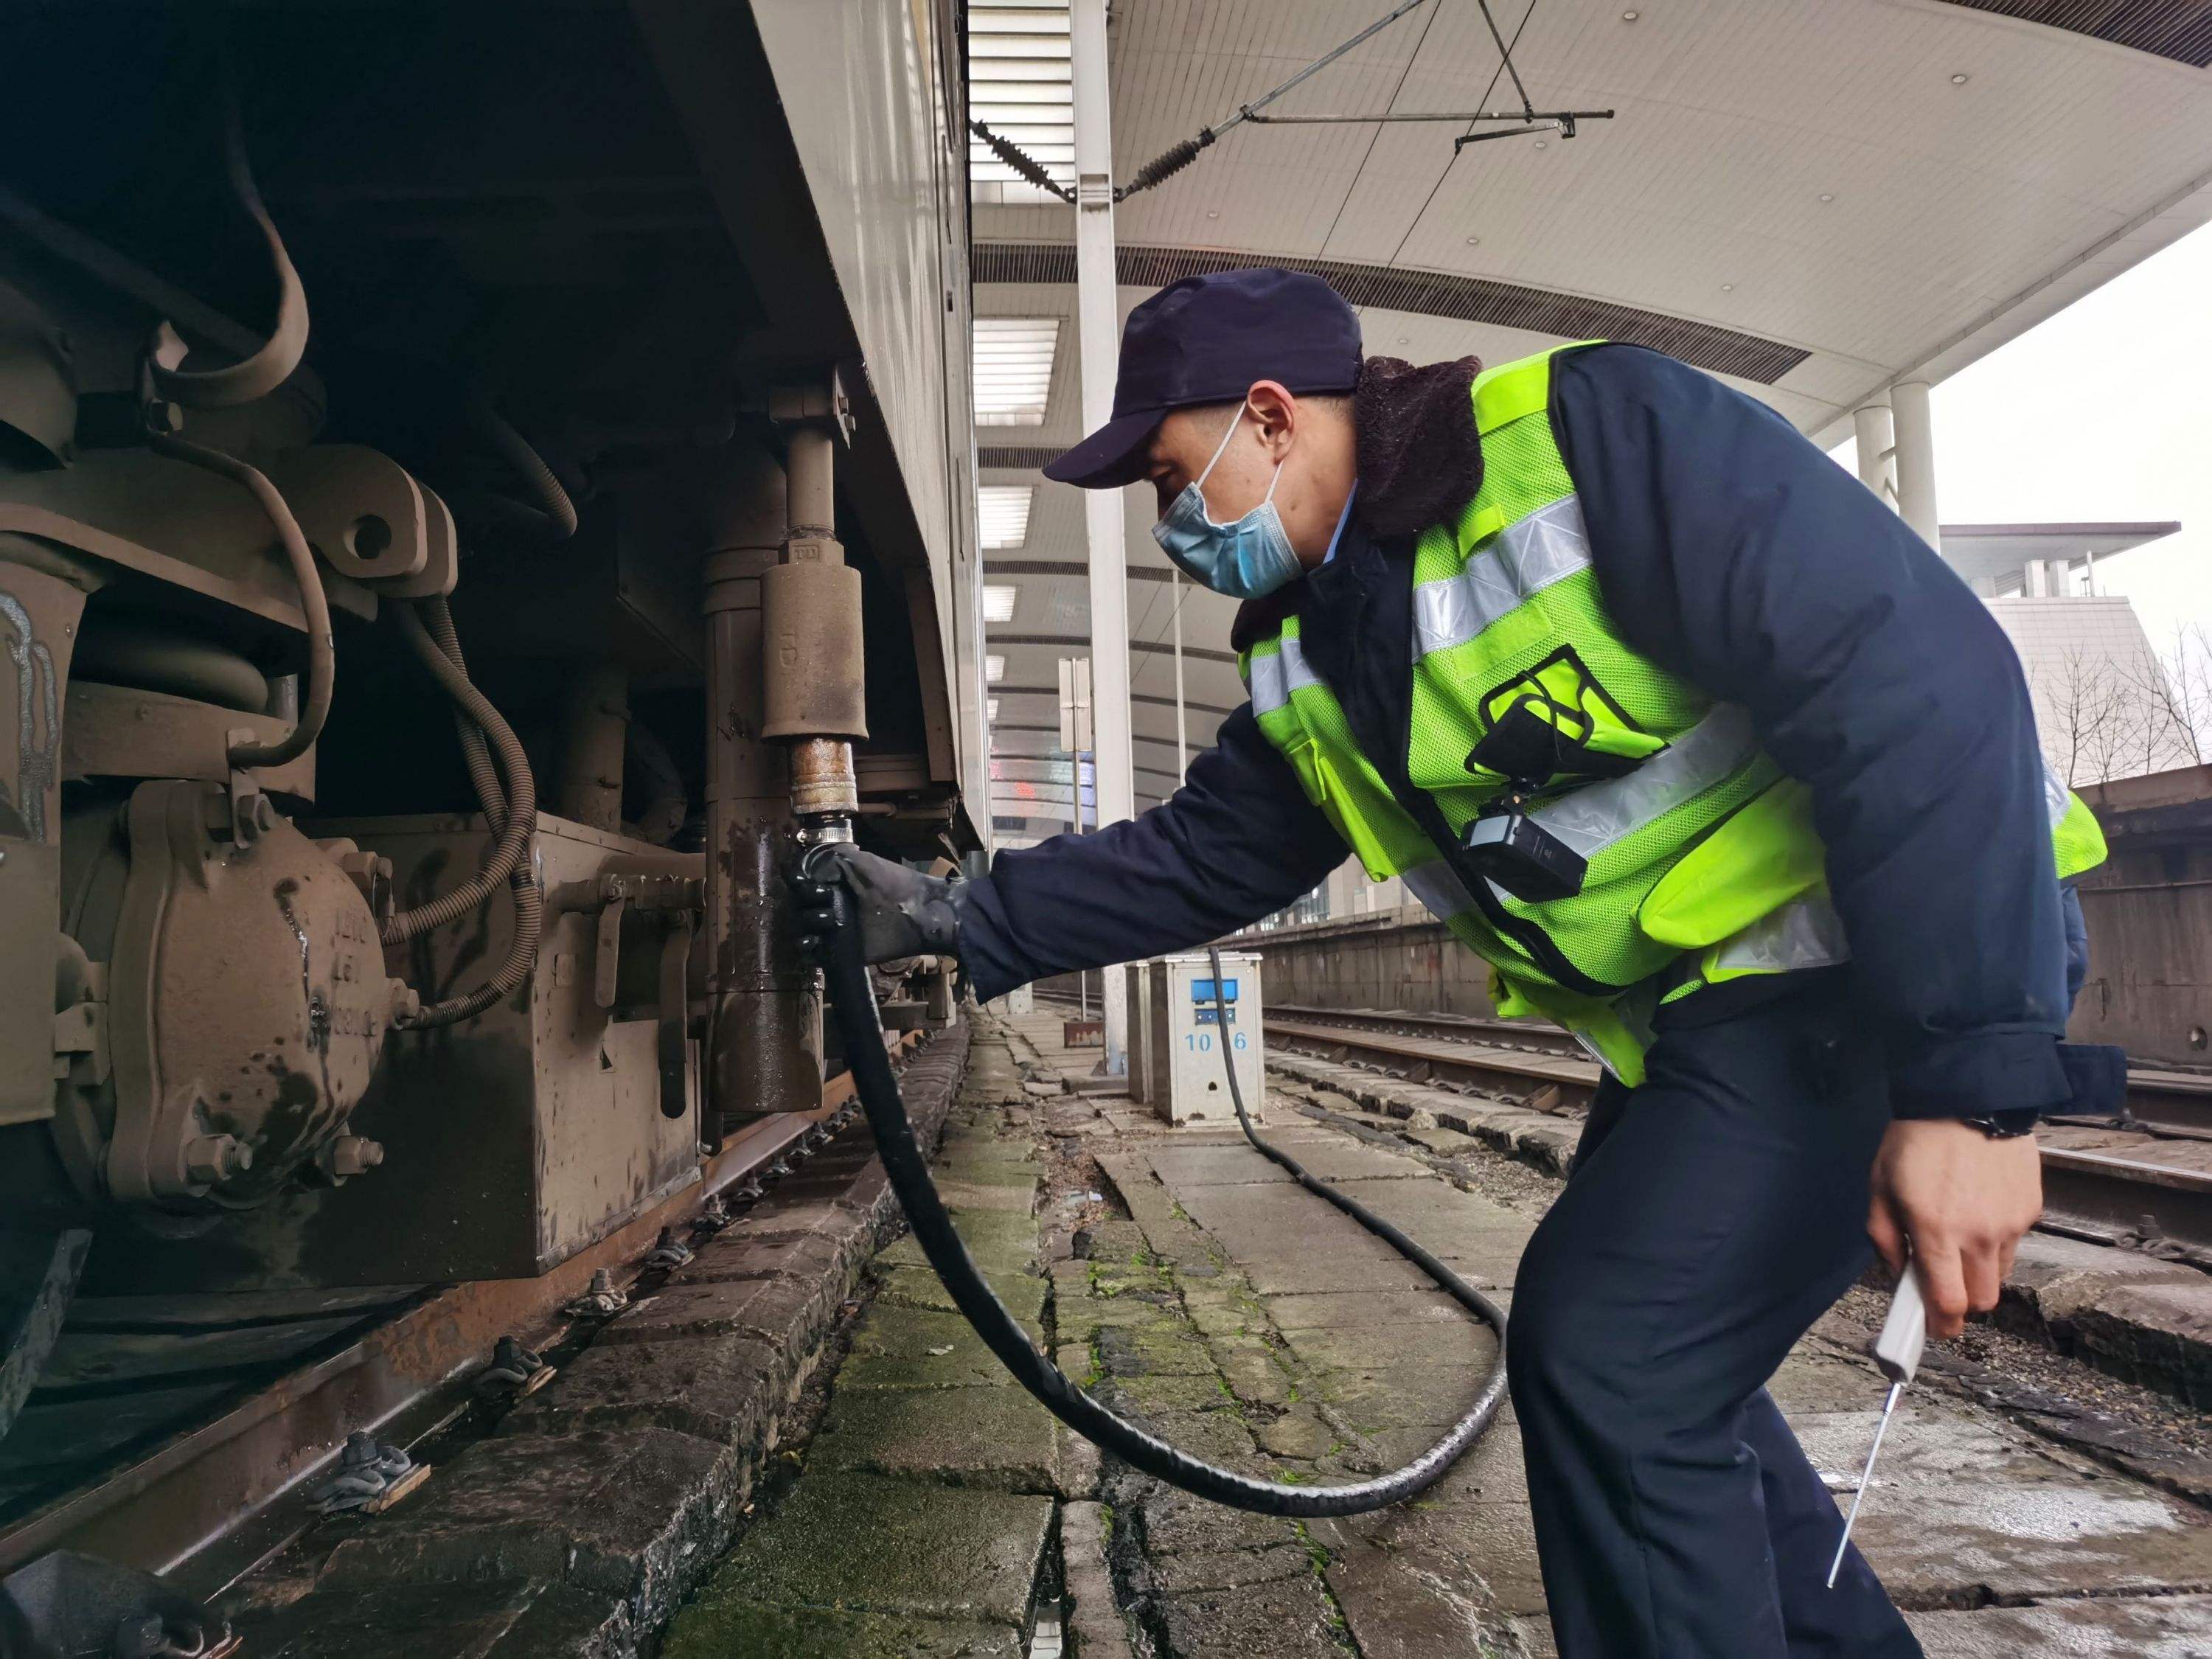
x,y
1201,990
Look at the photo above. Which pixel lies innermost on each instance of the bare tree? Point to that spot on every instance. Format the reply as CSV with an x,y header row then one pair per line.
x,y
2075,709
2102,718
2177,685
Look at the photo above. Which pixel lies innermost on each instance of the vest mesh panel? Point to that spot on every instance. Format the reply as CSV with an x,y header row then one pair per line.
x,y
1499,594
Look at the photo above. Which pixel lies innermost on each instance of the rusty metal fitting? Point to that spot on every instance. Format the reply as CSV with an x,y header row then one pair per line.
x,y
370,872
820,402
814,669
211,1160
349,1155
260,816
822,782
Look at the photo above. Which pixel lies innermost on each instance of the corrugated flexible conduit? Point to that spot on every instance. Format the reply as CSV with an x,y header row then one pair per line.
x,y
511,815
553,519
314,606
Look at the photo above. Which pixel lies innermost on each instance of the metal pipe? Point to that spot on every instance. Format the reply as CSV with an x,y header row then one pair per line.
x,y
811,507
765,1041
1098,330
824,791
816,696
314,606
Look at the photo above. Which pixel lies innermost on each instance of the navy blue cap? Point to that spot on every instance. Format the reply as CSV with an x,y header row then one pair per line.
x,y
1205,340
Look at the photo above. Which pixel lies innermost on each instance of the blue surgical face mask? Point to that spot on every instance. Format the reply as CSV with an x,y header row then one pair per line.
x,y
1244,559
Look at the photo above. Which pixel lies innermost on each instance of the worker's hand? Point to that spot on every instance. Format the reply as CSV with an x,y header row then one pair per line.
x,y
1963,1200
902,912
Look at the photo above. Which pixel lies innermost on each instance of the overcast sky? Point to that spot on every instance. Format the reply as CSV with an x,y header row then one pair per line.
x,y
2105,411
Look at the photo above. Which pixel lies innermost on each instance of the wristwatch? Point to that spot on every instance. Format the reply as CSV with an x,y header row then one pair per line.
x,y
2007,1126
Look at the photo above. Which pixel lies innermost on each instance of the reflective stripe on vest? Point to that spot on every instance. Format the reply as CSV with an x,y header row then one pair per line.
x,y
1441,893
1525,557
1807,932
1596,816
1279,673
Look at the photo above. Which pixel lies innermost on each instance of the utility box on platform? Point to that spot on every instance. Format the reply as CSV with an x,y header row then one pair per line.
x,y
1188,1083
1140,1028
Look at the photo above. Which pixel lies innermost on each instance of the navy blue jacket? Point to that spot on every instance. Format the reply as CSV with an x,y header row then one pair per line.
x,y
1730,551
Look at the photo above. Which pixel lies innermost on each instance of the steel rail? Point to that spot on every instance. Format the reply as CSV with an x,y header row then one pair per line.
x,y
2124,1194
2160,1100
2178,1100
1539,1036
214,1500
1542,1081
2097,1189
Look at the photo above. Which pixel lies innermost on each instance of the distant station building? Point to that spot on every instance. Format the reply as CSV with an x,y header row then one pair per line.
x,y
2111,701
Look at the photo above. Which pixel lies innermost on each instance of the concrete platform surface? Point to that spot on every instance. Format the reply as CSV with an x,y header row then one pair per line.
x,y
1332,1359
1180,1277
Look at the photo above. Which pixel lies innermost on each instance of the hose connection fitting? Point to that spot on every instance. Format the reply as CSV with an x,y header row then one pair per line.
x,y
814,658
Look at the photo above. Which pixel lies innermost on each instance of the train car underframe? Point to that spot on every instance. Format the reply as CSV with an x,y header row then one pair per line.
x,y
417,706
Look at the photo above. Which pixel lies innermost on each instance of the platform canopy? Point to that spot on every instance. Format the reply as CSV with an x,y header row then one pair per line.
x,y
1997,554
1813,200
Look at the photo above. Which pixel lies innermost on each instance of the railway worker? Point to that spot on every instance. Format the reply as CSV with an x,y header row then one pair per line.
x,y
1718,766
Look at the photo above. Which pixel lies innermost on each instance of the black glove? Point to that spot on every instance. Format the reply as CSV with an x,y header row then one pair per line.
x,y
902,912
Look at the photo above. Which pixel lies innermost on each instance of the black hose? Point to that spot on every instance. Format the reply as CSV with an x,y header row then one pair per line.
x,y
847,971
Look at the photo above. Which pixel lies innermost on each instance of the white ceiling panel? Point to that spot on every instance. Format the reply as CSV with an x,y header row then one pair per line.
x,y
1955,216
1959,213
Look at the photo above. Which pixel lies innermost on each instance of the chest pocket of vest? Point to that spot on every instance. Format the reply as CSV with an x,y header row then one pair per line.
x,y
1553,726
1345,801
1761,857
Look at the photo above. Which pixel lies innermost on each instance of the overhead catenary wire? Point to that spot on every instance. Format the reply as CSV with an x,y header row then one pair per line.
x,y
1421,212
1505,58
1176,157
1528,119
1460,117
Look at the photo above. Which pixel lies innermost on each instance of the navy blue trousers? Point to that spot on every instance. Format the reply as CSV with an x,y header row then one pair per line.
x,y
1713,1214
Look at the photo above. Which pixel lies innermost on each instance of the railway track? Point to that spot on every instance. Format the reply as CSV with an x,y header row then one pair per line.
x,y
2147,1178
179,1434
